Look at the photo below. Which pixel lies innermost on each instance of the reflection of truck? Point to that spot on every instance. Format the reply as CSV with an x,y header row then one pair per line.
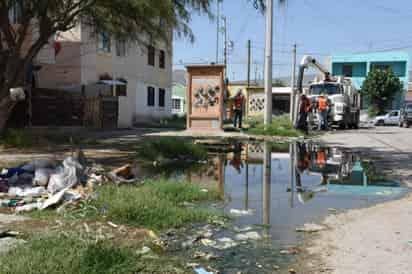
x,y
344,98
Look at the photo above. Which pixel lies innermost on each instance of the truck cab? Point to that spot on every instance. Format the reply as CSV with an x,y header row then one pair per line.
x,y
344,101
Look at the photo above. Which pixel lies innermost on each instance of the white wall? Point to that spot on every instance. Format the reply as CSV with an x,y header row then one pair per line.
x,y
140,75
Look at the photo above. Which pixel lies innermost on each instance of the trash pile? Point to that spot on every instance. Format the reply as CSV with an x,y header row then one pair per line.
x,y
42,184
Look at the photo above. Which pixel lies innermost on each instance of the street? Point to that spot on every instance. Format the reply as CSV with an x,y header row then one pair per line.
x,y
376,239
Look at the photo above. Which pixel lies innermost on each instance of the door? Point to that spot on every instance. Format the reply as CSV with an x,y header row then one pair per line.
x,y
394,117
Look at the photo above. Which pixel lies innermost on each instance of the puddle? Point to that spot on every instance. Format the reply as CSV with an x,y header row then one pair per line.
x,y
269,190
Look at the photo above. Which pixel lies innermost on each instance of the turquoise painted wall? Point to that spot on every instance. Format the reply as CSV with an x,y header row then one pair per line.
x,y
363,63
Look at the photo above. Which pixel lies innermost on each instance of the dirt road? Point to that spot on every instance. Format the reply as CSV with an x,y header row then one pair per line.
x,y
373,240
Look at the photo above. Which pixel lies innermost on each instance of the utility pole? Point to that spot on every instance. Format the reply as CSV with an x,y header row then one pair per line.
x,y
224,18
293,86
248,61
268,63
217,30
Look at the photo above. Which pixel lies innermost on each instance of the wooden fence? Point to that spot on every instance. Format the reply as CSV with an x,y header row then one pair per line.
x,y
63,108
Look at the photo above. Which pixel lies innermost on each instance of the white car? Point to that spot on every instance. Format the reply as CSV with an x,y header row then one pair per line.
x,y
391,118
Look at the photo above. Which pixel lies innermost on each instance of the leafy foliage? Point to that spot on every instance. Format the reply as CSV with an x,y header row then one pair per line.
x,y
380,87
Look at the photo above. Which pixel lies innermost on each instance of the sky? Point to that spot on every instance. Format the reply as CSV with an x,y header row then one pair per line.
x,y
318,27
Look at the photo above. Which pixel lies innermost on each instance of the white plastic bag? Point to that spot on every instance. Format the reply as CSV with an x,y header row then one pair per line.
x,y
42,176
67,177
26,192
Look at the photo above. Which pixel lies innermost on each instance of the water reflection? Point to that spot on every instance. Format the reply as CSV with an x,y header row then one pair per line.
x,y
289,184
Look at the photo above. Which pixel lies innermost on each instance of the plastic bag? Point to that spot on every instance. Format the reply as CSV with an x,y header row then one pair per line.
x,y
26,192
66,177
39,163
42,176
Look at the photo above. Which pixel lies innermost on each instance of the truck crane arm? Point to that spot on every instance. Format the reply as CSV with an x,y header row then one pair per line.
x,y
306,62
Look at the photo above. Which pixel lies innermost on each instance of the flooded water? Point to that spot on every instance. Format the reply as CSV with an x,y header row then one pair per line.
x,y
270,190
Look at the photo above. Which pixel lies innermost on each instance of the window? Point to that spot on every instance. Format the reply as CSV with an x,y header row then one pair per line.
x,y
162,59
162,93
176,104
150,96
121,48
103,42
151,56
347,70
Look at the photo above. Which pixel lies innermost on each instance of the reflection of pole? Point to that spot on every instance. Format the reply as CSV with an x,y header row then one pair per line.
x,y
267,172
247,179
221,176
292,174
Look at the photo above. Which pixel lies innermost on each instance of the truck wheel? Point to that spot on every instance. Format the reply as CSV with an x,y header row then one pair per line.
x,y
407,125
380,123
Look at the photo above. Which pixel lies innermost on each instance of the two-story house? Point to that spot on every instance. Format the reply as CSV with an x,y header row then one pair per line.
x,y
140,75
357,67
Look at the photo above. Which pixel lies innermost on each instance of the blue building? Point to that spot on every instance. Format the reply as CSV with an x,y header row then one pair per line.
x,y
357,66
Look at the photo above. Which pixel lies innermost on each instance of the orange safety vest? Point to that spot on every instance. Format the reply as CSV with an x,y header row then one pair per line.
x,y
321,158
322,103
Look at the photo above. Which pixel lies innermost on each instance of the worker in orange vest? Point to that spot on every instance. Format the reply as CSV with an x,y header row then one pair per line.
x,y
323,112
238,105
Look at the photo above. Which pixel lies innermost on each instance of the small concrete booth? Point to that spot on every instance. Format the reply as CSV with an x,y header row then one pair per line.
x,y
205,93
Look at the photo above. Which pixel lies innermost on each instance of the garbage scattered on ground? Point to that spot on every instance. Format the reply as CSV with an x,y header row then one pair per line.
x,y
201,270
122,175
242,229
144,250
290,251
332,210
252,235
241,212
309,227
292,271
46,183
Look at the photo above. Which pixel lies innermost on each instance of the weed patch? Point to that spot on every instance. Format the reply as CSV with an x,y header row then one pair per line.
x,y
68,254
281,126
166,149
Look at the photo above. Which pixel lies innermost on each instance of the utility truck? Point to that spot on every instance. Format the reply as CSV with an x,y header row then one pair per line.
x,y
343,97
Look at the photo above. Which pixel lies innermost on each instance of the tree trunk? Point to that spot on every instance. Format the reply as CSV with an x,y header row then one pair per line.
x,y
6,107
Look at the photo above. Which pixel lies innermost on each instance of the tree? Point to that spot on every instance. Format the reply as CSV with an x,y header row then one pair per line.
x,y
379,89
144,21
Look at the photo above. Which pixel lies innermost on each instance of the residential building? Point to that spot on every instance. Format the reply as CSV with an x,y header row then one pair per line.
x,y
357,67
141,76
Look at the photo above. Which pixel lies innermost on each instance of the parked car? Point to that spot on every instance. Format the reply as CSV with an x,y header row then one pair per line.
x,y
390,118
405,119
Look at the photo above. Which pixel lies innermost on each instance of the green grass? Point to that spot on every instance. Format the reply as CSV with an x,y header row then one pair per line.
x,y
68,254
281,126
168,148
156,205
